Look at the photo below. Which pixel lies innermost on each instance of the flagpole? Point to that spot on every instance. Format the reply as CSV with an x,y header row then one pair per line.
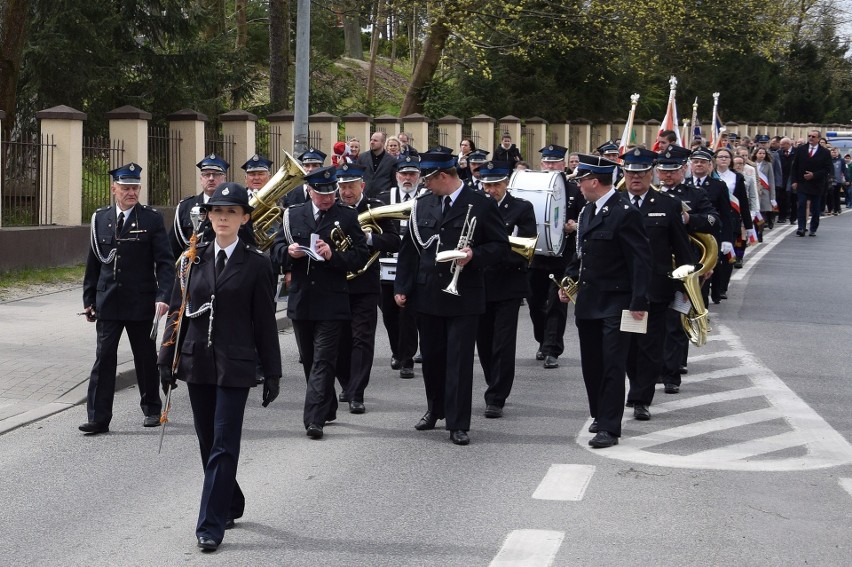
x,y
628,127
693,123
684,135
714,129
670,121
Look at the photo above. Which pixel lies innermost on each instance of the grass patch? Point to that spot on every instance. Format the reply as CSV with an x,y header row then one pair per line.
x,y
15,279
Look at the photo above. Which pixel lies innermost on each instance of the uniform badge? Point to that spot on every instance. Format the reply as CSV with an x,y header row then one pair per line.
x,y
637,152
132,167
226,191
255,157
711,219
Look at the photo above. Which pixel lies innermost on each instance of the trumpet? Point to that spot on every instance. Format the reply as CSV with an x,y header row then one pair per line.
x,y
568,287
455,255
340,239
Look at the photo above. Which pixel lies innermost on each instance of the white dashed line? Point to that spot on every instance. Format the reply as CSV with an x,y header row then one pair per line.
x,y
565,482
846,484
529,548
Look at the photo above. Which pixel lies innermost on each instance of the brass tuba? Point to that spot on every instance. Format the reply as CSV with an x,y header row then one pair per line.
x,y
695,323
369,220
266,216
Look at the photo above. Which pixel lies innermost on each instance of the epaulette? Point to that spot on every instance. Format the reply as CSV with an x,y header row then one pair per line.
x,y
149,208
342,204
297,205
254,249
424,193
102,209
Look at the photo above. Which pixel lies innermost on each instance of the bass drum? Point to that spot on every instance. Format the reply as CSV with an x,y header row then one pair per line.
x,y
546,191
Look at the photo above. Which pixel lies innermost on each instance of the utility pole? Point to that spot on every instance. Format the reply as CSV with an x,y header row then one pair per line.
x,y
303,74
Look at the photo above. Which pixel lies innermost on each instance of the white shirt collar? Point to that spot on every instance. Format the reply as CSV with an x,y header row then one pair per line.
x,y
228,250
455,194
126,213
602,201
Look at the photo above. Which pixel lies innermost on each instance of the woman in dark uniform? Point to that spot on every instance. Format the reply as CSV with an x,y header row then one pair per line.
x,y
228,316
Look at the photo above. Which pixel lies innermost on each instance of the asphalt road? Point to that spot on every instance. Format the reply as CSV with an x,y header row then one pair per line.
x,y
749,465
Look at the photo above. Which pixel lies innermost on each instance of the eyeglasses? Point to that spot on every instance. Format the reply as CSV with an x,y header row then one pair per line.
x,y
212,175
812,136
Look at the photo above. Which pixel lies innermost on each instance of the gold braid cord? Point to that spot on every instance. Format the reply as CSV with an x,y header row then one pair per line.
x,y
187,259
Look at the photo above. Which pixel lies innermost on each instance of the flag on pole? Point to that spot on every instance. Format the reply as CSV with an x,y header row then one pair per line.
x,y
628,137
670,121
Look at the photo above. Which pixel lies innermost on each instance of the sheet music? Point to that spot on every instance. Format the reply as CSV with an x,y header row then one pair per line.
x,y
631,325
312,251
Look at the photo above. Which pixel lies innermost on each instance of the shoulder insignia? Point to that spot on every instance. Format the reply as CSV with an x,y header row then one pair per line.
x,y
103,209
711,219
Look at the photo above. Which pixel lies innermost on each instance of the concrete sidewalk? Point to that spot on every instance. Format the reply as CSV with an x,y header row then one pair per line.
x,y
47,352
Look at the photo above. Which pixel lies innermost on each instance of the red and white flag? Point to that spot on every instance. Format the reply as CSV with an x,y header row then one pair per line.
x,y
670,121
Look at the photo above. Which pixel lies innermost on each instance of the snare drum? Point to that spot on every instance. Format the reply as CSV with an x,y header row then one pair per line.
x,y
387,269
546,191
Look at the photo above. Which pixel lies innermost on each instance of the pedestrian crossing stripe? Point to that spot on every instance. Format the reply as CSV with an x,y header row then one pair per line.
x,y
813,441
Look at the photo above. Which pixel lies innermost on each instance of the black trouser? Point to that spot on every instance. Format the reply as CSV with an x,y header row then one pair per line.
x,y
102,379
401,325
218,416
720,279
447,345
549,315
782,198
318,342
645,359
676,348
357,345
496,342
603,357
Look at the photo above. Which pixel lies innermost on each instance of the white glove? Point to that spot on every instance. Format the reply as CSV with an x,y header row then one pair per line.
x,y
773,203
726,248
751,234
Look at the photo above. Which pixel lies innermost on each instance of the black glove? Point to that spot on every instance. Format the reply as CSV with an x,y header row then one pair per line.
x,y
167,378
271,387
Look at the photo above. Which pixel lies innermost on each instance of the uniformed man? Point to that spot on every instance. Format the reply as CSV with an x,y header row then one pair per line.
x,y
475,160
662,215
358,339
258,173
506,285
702,217
213,170
609,150
549,315
315,267
441,222
128,280
311,160
400,322
716,190
612,266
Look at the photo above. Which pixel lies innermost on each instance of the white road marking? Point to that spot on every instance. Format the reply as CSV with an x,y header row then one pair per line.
x,y
763,249
565,482
819,444
846,484
529,548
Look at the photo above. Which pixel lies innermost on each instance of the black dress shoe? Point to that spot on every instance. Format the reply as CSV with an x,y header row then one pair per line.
x,y
492,411
539,355
812,233
395,363
683,370
418,359
723,296
672,388
739,263
314,431
593,428
207,544
230,523
93,427
459,437
799,232
603,439
551,362
640,412
426,422
628,404
151,421
341,397
356,407
406,373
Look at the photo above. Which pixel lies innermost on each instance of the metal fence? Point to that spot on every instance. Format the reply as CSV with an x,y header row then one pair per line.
x,y
314,139
100,155
528,143
164,187
268,143
222,146
27,184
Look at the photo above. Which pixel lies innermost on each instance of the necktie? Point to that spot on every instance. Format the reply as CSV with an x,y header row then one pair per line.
x,y
812,151
120,224
448,202
406,198
697,182
319,216
221,258
636,200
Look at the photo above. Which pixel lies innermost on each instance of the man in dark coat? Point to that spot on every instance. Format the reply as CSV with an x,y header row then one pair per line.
x,y
811,167
506,285
129,275
213,170
358,340
702,217
315,267
507,151
378,165
662,216
447,317
400,322
612,268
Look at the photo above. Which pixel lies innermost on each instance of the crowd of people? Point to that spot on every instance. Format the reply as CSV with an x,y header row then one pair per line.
x,y
438,242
